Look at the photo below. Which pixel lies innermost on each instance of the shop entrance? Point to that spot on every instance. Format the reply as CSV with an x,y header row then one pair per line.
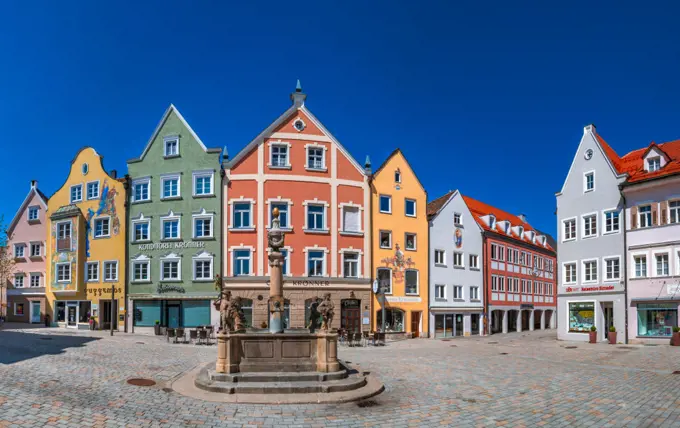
x,y
526,316
105,314
496,321
72,315
415,324
35,312
512,319
608,311
350,315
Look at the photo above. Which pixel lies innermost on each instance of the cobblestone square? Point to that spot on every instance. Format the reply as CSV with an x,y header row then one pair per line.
x,y
53,377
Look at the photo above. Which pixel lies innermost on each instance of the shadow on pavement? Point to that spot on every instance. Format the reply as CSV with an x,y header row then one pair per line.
x,y
16,346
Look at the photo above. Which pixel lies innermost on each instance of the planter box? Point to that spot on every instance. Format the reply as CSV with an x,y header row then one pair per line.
x,y
675,339
612,338
592,336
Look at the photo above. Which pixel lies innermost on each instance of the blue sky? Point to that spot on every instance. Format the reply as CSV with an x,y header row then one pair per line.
x,y
487,97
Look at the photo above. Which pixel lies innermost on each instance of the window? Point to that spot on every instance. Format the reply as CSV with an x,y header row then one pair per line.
x,y
410,241
170,187
656,319
315,263
284,268
35,249
101,227
242,262
515,287
171,146
242,215
612,268
569,229
203,227
474,261
279,155
284,221
645,216
410,207
140,271
110,271
397,176
589,182
170,228
509,255
440,292
35,280
674,211
247,308
385,204
385,239
457,259
19,281
457,291
474,293
76,193
140,190
654,164
501,283
92,271
494,283
141,231
203,183
570,273
170,270
351,219
385,280
19,250
590,271
497,252
203,270
640,266
589,225
440,257
661,264
350,265
529,285
63,272
315,158
411,280
457,219
611,221
315,217
93,190
19,309
33,213
64,236
394,319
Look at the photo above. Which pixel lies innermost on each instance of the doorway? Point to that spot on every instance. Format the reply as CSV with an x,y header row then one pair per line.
x,y
526,317
35,312
173,311
459,325
608,311
106,314
415,324
72,315
350,315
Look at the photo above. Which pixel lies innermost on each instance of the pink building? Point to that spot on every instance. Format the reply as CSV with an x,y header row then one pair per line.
x,y
26,240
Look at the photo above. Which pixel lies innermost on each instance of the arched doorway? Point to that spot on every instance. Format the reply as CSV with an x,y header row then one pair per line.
x,y
513,314
526,317
537,319
548,319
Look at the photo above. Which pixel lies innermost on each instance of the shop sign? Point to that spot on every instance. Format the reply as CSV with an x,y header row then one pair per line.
x,y
306,283
350,303
106,291
526,306
171,245
404,299
165,288
584,289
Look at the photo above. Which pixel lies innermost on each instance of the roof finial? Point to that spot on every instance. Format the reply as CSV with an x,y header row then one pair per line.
x,y
298,97
367,163
225,153
298,87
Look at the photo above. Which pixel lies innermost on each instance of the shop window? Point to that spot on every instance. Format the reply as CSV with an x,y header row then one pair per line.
x,y
657,320
581,316
474,324
195,313
394,320
61,312
147,312
84,309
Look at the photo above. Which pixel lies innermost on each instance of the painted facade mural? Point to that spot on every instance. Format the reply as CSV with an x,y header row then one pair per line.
x,y
398,263
107,206
64,256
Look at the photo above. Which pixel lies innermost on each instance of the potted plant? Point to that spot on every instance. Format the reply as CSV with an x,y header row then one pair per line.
x,y
675,339
593,334
263,325
612,335
157,328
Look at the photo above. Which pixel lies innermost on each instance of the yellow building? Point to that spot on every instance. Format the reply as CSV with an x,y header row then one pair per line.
x,y
400,248
86,246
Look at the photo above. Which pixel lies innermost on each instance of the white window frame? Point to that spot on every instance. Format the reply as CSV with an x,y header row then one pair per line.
x,y
30,280
18,276
70,195
343,253
474,297
87,272
172,257
656,264
584,271
604,221
171,217
94,227
415,241
397,176
380,232
315,146
417,293
134,223
475,258
460,296
106,263
141,260
325,261
342,208
443,257
280,201
87,190
204,257
387,292
23,251
460,219
170,139
415,207
460,265
31,209
232,227
640,216
633,256
316,202
583,225
288,251
389,197
167,177
203,215
563,231
232,256
56,270
585,181
443,294
140,181
279,144
195,175
604,268
653,161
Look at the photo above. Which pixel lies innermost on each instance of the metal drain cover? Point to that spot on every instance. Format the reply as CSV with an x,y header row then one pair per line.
x,y
570,347
492,343
141,382
504,353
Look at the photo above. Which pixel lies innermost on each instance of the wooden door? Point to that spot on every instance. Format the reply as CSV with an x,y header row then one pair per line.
x,y
415,324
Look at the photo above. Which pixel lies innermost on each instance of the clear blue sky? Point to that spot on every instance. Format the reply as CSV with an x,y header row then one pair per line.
x,y
487,97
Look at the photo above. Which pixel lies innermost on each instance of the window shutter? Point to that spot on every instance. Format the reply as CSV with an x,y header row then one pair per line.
x,y
664,212
654,214
351,219
633,217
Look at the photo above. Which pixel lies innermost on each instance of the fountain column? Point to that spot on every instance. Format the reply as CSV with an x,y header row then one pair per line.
x,y
276,301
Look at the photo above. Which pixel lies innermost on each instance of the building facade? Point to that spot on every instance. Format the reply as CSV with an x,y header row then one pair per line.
x,y
519,271
456,271
591,256
85,247
26,240
174,246
322,193
400,245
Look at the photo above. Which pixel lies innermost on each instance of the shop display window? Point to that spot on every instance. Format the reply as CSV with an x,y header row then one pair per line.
x,y
581,316
657,319
394,320
61,311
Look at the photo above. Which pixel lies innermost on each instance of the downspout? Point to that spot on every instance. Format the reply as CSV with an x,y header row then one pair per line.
x,y
370,243
485,283
126,186
625,263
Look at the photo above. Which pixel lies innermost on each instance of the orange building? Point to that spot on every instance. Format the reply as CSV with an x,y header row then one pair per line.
x,y
322,193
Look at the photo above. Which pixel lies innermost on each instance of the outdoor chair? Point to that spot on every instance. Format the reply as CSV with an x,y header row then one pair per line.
x,y
202,336
381,339
358,339
366,338
193,336
170,334
180,335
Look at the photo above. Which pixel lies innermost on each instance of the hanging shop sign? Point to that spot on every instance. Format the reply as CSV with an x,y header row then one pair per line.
x,y
166,288
171,245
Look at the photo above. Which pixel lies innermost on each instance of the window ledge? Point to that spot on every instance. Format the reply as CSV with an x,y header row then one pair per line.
x,y
36,257
475,300
110,280
317,231
569,240
385,212
93,281
36,221
172,198
283,229
145,241
202,280
589,237
385,248
458,300
440,299
171,156
279,167
20,258
317,169
212,195
411,215
412,294
410,249
241,229
459,267
102,237
348,233
439,265
171,280
140,282
475,268
204,238
171,240
458,224
145,201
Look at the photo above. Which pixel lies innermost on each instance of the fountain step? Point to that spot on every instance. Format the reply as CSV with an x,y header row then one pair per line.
x,y
296,387
277,376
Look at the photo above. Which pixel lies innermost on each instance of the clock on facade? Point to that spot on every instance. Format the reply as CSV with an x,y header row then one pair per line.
x,y
589,154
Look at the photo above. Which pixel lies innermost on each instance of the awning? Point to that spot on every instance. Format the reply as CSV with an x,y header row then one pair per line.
x,y
655,299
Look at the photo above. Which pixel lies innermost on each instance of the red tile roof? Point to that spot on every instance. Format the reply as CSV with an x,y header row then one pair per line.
x,y
434,206
480,209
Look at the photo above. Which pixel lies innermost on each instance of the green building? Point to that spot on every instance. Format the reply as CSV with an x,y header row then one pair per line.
x,y
175,232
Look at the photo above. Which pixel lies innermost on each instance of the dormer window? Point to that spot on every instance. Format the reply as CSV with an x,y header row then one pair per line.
x,y
653,164
492,221
397,176
520,231
171,146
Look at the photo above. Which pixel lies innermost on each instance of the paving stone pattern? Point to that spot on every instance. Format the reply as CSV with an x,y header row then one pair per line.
x,y
523,380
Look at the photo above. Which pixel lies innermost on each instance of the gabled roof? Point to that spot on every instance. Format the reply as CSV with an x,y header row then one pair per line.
x,y
165,117
393,154
481,209
66,211
436,205
634,162
41,196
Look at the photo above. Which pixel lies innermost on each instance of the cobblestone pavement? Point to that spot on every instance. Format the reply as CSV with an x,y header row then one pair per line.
x,y
51,377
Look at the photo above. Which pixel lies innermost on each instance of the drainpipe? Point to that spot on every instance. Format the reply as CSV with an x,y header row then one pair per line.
x,y
625,264
485,283
126,186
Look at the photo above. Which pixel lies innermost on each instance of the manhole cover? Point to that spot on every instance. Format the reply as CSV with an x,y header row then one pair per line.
x,y
139,343
504,353
570,347
492,343
446,340
624,347
369,403
141,382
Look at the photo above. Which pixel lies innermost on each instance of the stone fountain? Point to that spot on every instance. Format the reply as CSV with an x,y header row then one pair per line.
x,y
273,366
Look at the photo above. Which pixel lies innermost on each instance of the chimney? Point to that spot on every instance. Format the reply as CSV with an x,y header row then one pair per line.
x,y
523,217
114,174
298,97
34,184
367,165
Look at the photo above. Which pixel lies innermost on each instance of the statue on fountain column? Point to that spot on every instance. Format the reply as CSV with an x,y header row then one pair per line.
x,y
275,235
232,318
326,309
275,238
